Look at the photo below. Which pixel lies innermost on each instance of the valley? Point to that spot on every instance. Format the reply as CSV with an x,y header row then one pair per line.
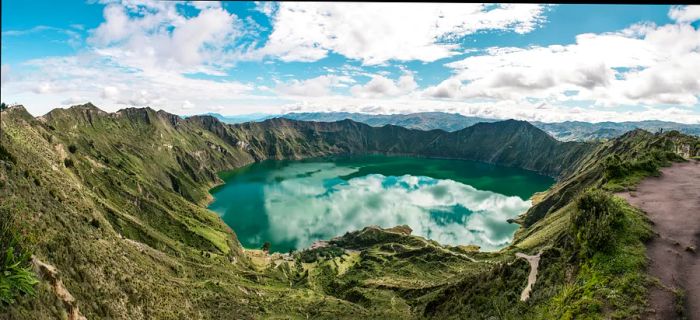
x,y
116,203
369,160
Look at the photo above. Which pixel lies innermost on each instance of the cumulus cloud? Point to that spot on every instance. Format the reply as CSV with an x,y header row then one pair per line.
x,y
151,54
643,64
110,86
685,13
154,35
110,92
46,87
378,32
380,86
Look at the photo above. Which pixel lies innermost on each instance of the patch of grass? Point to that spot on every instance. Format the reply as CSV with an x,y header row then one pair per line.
x,y
611,281
679,302
16,275
621,175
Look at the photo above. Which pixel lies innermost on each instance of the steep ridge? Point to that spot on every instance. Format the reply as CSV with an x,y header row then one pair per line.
x,y
510,143
115,202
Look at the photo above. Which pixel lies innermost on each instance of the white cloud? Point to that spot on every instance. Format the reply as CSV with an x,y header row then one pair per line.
x,y
154,35
45,87
381,86
377,32
187,105
266,7
314,87
110,92
74,100
5,74
97,79
685,13
644,64
141,54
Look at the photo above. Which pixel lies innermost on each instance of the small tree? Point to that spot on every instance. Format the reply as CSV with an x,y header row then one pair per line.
x,y
266,246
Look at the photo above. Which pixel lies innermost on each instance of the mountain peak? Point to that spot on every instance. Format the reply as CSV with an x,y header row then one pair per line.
x,y
17,110
86,106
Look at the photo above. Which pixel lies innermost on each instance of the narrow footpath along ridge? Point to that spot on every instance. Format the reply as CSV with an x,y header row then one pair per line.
x,y
672,202
532,277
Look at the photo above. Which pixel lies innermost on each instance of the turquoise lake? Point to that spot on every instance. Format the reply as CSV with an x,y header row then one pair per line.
x,y
291,204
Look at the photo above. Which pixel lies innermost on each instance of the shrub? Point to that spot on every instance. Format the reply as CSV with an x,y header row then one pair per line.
x,y
615,168
5,155
595,222
16,277
72,148
313,255
68,162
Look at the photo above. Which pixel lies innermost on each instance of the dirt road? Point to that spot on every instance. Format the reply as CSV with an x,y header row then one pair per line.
x,y
672,202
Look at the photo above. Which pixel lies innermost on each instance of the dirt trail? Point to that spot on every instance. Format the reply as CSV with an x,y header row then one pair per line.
x,y
672,202
532,277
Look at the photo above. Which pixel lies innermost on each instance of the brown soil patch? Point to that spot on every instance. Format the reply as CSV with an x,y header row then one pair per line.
x,y
672,203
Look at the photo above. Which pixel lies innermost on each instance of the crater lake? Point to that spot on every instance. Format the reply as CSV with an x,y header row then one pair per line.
x,y
292,204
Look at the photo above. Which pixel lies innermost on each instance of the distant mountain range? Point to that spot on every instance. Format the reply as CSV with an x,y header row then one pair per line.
x,y
564,131
235,119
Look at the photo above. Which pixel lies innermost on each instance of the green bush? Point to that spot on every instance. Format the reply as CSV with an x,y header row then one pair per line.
x,y
596,222
72,148
6,155
16,277
309,256
615,168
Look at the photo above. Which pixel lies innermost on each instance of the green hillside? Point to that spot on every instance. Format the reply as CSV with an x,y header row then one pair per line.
x,y
108,211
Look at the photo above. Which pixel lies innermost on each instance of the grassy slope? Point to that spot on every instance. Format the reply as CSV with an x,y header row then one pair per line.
x,y
121,216
184,262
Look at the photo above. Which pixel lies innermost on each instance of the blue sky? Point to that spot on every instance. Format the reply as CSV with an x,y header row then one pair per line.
x,y
532,62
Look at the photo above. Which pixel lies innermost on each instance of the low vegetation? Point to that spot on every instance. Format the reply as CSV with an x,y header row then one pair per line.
x,y
16,275
621,174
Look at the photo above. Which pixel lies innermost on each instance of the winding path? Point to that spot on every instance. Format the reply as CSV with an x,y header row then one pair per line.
x,y
532,277
672,202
